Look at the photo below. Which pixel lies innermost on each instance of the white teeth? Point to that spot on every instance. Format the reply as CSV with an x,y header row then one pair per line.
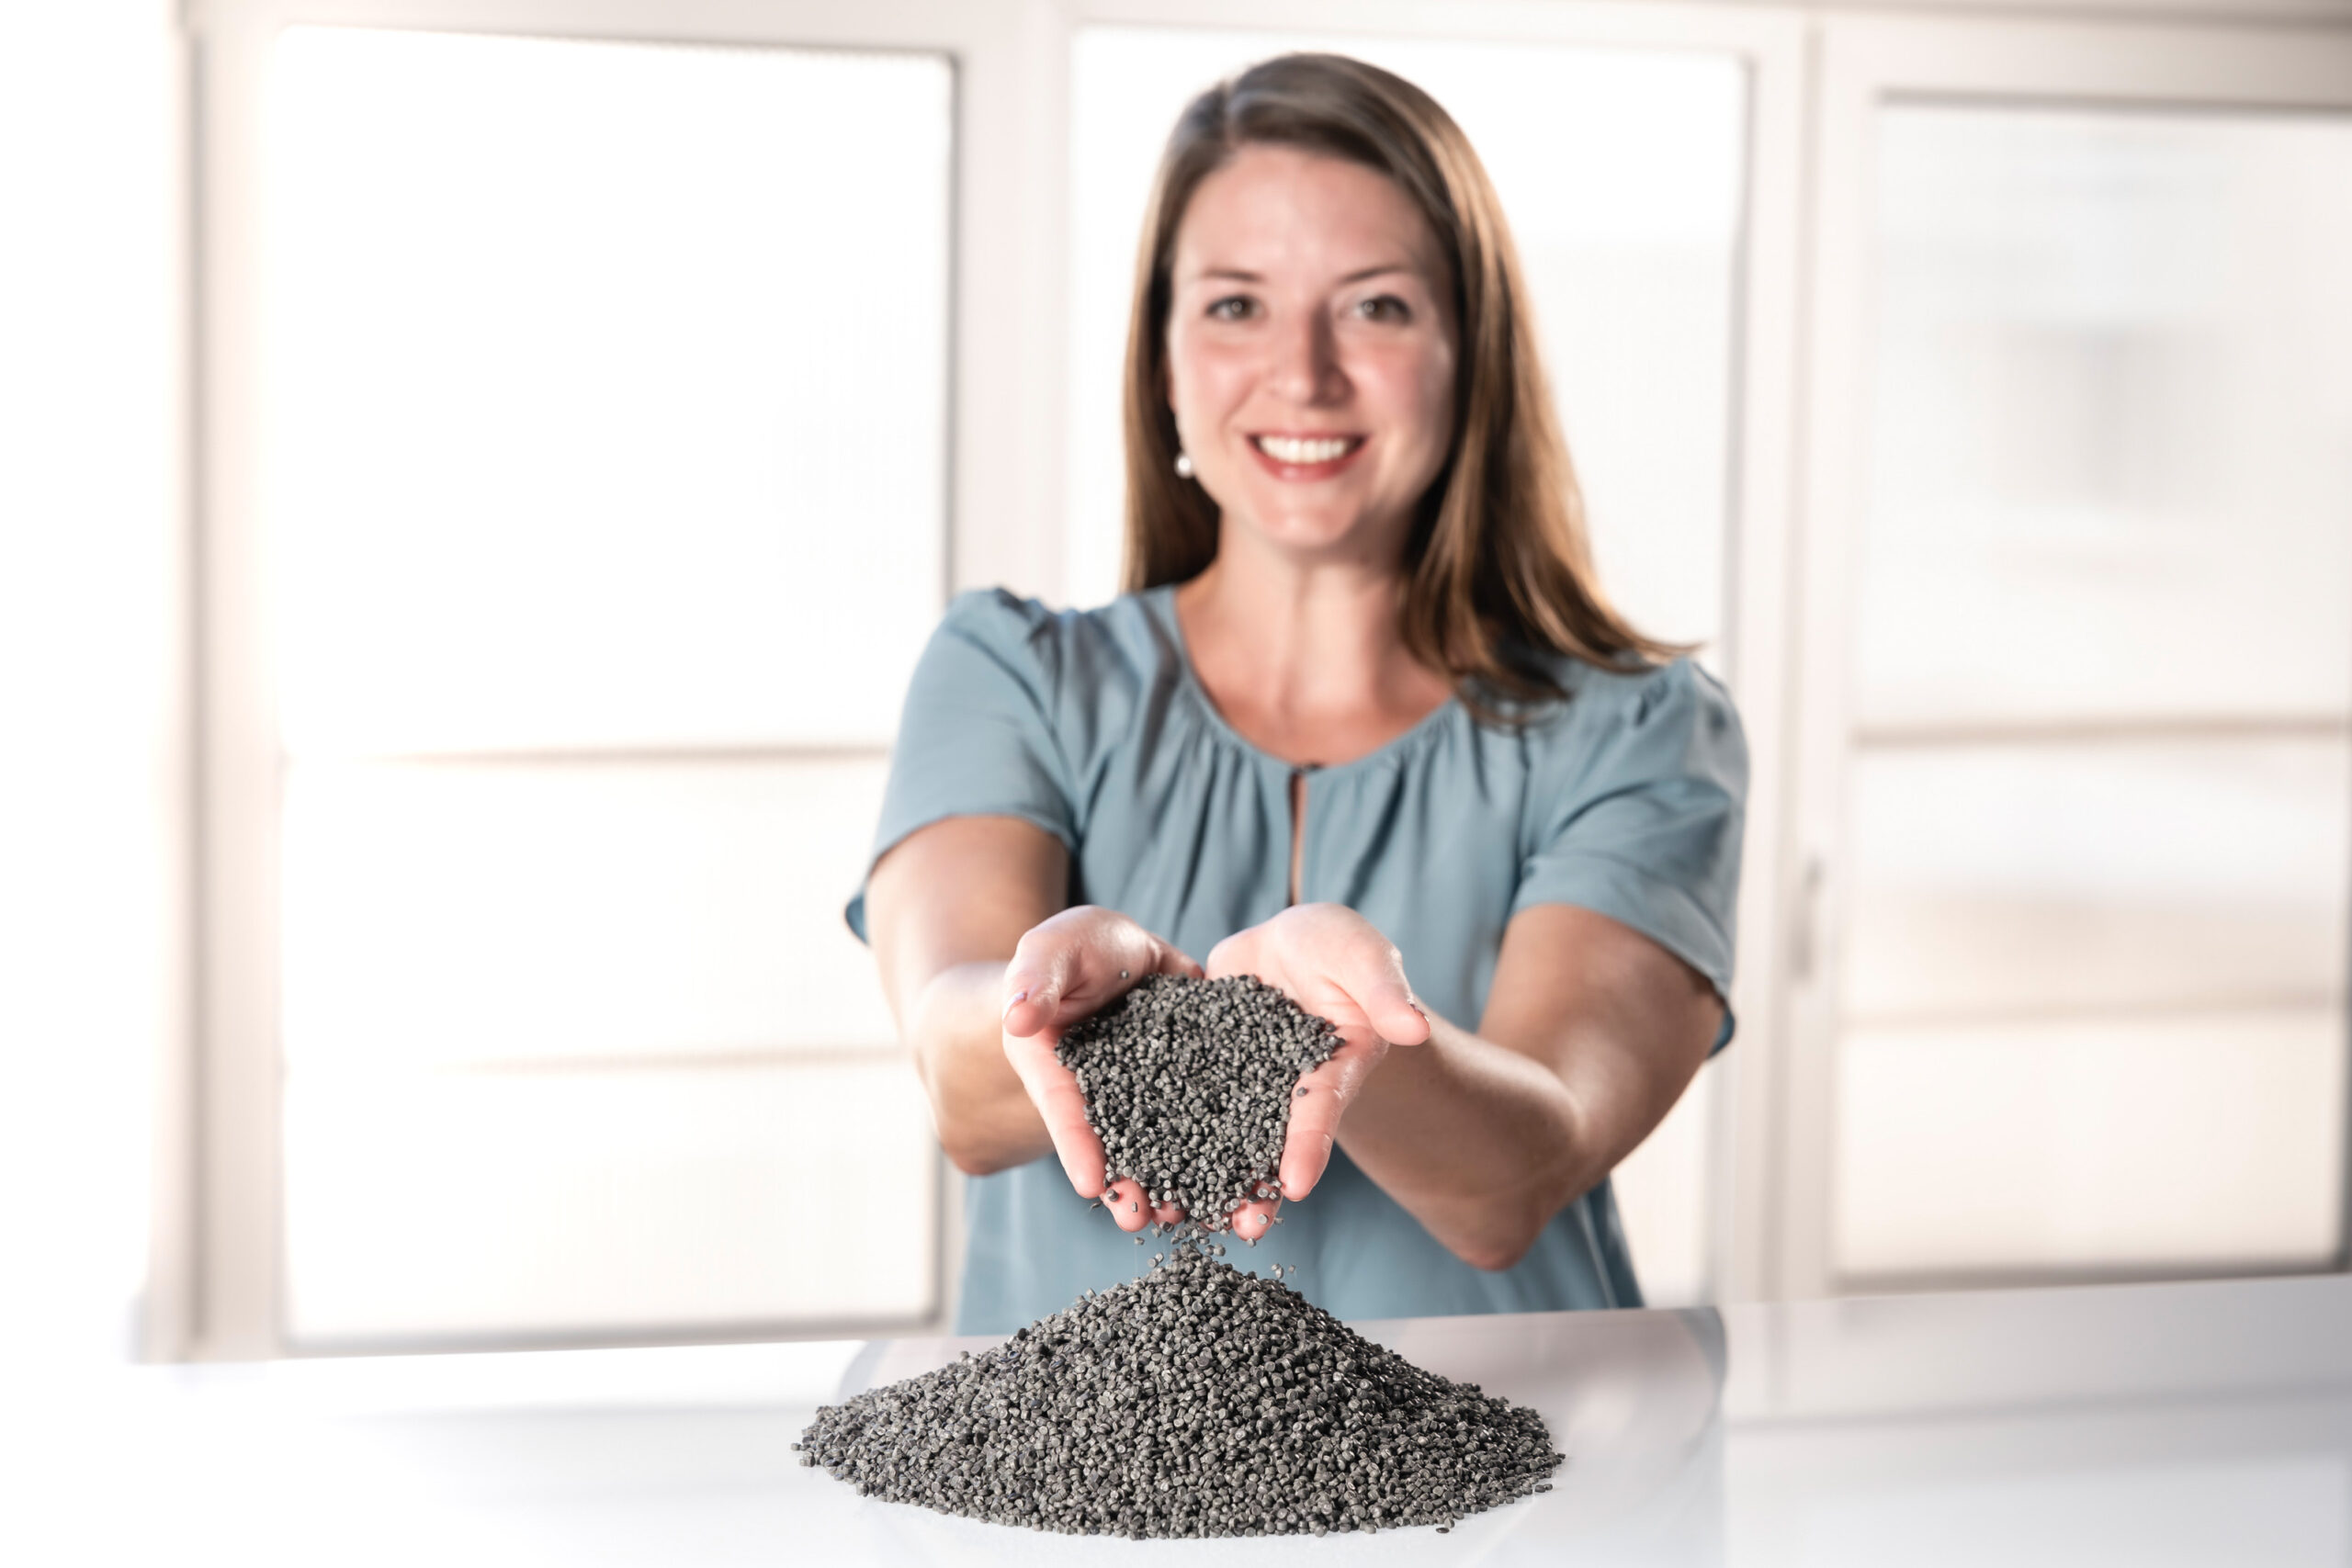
x,y
1293,449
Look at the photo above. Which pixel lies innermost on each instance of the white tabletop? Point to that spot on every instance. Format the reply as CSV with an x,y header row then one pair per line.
x,y
2154,1423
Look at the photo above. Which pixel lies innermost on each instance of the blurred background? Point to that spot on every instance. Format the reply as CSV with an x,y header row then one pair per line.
x,y
474,480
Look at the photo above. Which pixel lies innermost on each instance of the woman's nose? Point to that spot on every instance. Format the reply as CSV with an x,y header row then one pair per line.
x,y
1305,367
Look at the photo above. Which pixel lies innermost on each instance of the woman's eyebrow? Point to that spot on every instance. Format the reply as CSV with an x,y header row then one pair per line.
x,y
1241,274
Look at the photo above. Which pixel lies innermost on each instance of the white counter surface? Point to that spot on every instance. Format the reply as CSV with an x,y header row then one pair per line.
x,y
2158,1423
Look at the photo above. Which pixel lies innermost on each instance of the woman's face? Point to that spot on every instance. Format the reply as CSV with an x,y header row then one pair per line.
x,y
1311,352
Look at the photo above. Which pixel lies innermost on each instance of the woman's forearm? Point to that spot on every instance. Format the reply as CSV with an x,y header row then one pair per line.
x,y
1481,1143
1591,1034
946,907
985,1119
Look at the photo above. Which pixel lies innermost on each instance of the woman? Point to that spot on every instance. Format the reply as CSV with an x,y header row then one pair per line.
x,y
1362,726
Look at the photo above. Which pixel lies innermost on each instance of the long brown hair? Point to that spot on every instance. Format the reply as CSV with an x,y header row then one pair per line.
x,y
1498,565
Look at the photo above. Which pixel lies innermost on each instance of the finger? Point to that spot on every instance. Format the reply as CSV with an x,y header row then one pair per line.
x,y
1306,1154
1126,1203
1167,1214
1231,956
1053,1090
1023,1016
1321,1099
1048,969
1172,961
1373,975
1254,1218
1034,982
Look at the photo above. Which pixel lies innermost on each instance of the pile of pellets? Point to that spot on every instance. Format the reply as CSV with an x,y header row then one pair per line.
x,y
1195,1401
1189,1085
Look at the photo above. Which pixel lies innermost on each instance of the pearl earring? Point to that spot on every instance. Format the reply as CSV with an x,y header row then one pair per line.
x,y
1184,465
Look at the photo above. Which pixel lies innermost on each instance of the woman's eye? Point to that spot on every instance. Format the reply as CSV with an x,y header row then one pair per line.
x,y
1232,308
1384,308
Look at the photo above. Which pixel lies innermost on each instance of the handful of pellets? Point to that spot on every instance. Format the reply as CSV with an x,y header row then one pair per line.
x,y
1189,1085
1195,1401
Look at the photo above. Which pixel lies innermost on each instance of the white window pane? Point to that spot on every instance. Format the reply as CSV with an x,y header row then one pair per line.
x,y
2199,1139
609,389
486,1203
440,913
2112,421
1620,172
1994,880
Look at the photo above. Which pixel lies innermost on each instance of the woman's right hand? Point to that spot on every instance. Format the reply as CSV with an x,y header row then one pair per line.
x,y
1067,968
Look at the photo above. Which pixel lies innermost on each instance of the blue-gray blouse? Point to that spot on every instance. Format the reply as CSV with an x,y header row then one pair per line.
x,y
1625,798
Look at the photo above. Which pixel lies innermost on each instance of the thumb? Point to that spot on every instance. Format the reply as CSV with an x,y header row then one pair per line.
x,y
1032,993
1397,1016
1375,981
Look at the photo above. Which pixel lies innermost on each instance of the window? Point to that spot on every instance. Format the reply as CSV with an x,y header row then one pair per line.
x,y
2074,793
2101,823
577,415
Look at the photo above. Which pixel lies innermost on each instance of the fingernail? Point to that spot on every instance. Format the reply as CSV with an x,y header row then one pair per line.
x,y
1014,1001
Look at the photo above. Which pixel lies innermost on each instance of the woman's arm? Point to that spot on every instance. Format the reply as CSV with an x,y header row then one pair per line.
x,y
1592,1031
946,910
984,968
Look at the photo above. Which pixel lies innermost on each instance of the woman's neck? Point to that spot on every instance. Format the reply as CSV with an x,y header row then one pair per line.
x,y
1307,661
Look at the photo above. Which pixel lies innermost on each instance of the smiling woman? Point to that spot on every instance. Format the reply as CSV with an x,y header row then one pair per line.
x,y
1362,726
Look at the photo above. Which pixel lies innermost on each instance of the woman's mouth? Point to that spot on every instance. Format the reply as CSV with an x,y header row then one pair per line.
x,y
1305,456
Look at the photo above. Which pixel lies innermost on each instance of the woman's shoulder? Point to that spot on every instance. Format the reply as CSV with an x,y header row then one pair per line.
x,y
1677,705
1001,613
1080,653
1644,693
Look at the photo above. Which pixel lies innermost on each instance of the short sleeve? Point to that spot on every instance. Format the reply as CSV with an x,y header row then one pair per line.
x,y
1639,810
977,737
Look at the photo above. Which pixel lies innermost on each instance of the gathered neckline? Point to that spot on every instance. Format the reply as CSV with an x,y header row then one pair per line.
x,y
1160,603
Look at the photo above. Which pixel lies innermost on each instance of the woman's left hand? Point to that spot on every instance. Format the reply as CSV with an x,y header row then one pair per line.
x,y
1334,962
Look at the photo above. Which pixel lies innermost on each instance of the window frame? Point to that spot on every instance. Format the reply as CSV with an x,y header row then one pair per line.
x,y
1796,445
